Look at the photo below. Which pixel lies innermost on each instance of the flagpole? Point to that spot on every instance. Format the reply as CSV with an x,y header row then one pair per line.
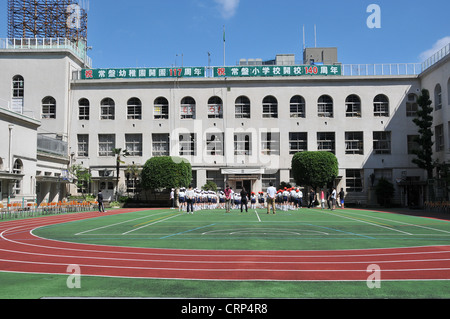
x,y
224,61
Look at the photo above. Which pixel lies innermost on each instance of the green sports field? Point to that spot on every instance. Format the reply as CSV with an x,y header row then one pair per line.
x,y
303,230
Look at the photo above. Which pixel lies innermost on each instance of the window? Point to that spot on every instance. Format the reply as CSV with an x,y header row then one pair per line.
x,y
242,144
381,105
270,107
354,143
326,141
270,178
133,184
134,109
83,109
216,177
439,133
413,145
354,180
161,109
188,108
325,106
17,169
160,145
298,142
214,144
383,173
382,142
448,91
411,105
188,145
353,106
298,107
133,144
18,86
106,144
215,108
107,109
242,108
49,108
270,143
437,97
17,94
83,145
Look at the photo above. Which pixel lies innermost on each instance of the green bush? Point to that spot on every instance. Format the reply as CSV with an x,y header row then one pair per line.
x,y
166,172
315,169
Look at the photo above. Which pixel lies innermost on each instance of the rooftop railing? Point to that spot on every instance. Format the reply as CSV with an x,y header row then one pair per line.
x,y
47,44
381,69
435,58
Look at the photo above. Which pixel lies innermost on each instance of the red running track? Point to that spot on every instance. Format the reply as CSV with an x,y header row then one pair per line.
x,y
21,251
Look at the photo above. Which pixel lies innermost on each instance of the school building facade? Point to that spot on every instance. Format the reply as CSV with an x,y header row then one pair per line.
x,y
239,125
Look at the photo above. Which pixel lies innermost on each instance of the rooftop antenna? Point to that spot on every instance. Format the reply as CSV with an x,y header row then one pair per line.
x,y
304,41
315,36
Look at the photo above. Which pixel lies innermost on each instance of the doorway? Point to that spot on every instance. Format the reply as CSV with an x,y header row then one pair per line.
x,y
247,184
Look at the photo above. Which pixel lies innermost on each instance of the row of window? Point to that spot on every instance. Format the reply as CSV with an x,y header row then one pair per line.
x,y
242,105
243,143
215,107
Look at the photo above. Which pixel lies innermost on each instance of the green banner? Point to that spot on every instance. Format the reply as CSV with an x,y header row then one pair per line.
x,y
142,73
276,70
199,72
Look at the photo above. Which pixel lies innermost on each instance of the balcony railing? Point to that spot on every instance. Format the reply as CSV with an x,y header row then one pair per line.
x,y
52,146
47,44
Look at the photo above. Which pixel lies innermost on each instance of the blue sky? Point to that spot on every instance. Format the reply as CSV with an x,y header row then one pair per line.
x,y
152,33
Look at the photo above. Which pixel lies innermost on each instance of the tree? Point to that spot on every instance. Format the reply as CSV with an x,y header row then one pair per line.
x,y
83,177
119,153
166,172
315,169
424,121
210,186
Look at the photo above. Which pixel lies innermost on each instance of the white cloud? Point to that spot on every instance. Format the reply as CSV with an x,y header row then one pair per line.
x,y
436,47
228,7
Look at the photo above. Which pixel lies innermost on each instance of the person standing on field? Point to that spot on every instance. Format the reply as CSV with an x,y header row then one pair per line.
x,y
333,198
341,197
190,195
228,193
271,194
244,200
101,207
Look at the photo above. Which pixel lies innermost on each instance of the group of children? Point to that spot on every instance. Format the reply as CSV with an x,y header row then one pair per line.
x,y
287,199
216,200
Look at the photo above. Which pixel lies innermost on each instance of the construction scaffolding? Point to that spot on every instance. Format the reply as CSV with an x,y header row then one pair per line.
x,y
47,19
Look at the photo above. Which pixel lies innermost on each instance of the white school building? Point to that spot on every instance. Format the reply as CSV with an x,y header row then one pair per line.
x,y
239,125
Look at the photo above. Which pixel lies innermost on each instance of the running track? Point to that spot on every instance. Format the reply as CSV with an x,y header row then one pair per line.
x,y
21,251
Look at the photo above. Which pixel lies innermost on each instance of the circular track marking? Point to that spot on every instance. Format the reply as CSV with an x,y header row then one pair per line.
x,y
23,252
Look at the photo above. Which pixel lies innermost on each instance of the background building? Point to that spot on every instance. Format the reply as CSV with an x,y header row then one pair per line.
x,y
239,125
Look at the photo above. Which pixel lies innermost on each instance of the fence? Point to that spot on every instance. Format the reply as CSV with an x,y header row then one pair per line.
x,y
25,210
381,69
47,44
435,58
437,206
